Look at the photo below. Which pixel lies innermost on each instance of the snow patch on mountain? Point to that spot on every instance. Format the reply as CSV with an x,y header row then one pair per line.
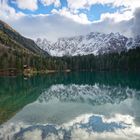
x,y
92,43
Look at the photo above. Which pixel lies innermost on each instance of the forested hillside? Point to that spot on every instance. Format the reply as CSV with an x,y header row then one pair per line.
x,y
17,51
108,62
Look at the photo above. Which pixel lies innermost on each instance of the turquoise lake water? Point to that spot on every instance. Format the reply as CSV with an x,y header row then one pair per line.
x,y
70,106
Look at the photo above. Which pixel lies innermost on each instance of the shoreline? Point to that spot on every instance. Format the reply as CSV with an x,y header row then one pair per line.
x,y
28,72
11,72
33,72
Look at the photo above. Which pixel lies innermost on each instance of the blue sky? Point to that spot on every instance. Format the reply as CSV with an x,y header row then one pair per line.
x,y
53,19
93,13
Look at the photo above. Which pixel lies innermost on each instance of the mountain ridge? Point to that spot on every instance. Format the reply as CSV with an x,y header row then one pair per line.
x,y
17,53
8,36
93,43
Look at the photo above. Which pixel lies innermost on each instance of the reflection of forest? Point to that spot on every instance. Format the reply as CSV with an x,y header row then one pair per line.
x,y
16,92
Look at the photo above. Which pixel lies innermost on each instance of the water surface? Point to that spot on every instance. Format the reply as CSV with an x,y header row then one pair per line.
x,y
72,106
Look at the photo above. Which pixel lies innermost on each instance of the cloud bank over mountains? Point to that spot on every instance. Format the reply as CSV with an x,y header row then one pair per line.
x,y
70,18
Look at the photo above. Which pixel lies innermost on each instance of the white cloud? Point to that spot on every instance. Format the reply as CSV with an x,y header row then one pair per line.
x,y
56,3
117,17
27,4
136,27
126,12
7,12
132,4
80,18
123,14
55,26
66,22
48,26
77,4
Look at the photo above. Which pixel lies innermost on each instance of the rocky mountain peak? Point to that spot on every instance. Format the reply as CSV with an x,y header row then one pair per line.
x,y
93,43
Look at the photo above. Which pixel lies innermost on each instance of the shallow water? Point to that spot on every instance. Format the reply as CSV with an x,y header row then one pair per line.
x,y
72,106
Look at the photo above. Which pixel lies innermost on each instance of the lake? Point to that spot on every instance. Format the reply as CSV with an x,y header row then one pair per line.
x,y
70,106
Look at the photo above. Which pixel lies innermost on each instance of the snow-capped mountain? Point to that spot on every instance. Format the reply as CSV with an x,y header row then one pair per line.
x,y
93,43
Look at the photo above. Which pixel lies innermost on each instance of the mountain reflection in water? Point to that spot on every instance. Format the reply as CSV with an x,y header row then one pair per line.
x,y
74,106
